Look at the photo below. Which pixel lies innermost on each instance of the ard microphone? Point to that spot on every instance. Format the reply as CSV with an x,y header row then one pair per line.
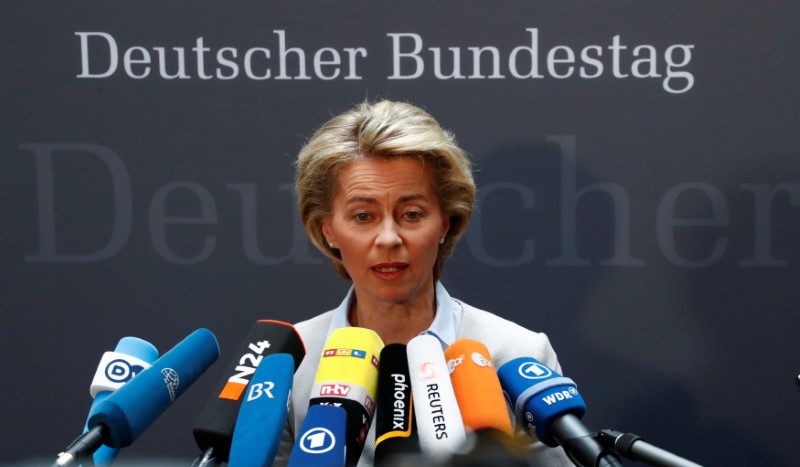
x,y
213,430
477,387
439,423
395,430
131,357
124,415
262,415
347,377
550,406
321,440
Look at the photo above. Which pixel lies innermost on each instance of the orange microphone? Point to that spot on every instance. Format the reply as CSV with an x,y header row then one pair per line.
x,y
477,386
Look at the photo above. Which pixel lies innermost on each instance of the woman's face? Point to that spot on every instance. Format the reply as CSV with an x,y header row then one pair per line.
x,y
386,222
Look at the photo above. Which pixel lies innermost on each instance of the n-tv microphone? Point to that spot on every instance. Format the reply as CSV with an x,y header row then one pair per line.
x,y
395,430
477,387
321,440
550,406
439,423
347,377
131,356
213,430
124,415
262,415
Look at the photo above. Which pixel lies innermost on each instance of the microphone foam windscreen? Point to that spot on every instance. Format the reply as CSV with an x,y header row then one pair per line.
x,y
395,430
439,423
477,387
321,440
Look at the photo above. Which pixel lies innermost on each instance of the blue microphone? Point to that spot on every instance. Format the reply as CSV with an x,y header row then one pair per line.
x,y
120,418
262,416
549,406
131,357
321,441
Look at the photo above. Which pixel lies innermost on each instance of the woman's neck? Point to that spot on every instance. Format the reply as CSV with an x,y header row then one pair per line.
x,y
394,322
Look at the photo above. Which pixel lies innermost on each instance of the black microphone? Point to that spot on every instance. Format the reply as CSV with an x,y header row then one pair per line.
x,y
213,430
549,406
395,430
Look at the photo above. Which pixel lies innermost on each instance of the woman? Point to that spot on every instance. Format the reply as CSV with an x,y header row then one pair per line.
x,y
385,193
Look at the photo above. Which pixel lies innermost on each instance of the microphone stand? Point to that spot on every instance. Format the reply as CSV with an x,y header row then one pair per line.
x,y
207,459
580,444
633,447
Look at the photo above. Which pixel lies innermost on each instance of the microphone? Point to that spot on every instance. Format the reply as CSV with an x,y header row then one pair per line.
x,y
439,423
635,448
262,415
131,356
477,387
347,377
550,406
321,440
213,430
124,415
395,430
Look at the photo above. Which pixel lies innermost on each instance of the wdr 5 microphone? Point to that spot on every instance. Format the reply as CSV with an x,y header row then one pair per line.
x,y
213,430
122,416
439,423
550,406
347,377
395,430
321,440
477,387
131,357
262,415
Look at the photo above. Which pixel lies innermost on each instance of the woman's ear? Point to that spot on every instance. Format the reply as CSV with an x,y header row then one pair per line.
x,y
326,231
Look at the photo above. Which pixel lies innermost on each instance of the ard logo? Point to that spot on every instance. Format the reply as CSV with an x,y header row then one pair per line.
x,y
317,441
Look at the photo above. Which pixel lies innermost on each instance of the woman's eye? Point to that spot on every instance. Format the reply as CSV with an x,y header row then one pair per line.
x,y
413,215
361,217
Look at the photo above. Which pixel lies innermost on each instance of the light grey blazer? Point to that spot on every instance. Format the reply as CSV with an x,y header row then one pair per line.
x,y
504,339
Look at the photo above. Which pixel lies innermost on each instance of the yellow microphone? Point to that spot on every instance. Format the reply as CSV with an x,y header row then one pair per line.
x,y
347,377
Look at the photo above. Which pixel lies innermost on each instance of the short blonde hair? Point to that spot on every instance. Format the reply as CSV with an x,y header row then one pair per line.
x,y
382,129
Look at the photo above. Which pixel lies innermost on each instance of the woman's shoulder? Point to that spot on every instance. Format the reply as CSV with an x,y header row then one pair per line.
x,y
505,339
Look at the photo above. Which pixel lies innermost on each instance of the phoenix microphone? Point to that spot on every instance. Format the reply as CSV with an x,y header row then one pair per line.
x,y
550,406
213,430
321,440
395,431
262,415
347,377
439,423
124,415
477,387
131,357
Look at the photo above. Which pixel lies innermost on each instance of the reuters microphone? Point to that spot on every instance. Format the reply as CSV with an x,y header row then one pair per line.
x,y
439,423
347,377
477,387
213,430
131,356
395,430
550,406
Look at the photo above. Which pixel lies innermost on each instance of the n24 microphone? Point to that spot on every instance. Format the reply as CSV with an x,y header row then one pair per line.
x,y
321,440
213,430
262,415
477,387
131,356
550,406
439,423
347,377
395,430
124,415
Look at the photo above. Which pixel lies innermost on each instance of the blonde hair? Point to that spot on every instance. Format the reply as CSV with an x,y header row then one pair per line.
x,y
382,129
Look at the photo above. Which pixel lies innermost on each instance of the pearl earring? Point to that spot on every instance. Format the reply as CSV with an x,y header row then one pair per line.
x,y
441,241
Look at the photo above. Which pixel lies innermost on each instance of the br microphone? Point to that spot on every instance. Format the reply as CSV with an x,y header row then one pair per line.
x,y
347,377
439,423
131,357
477,387
262,415
213,430
122,417
550,406
395,430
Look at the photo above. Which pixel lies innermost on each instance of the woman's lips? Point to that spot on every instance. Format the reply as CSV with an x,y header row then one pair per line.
x,y
389,270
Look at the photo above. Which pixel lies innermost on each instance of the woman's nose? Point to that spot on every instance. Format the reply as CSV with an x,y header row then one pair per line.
x,y
388,235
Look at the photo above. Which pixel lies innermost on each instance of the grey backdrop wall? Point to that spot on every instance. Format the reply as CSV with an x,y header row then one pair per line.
x,y
639,194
